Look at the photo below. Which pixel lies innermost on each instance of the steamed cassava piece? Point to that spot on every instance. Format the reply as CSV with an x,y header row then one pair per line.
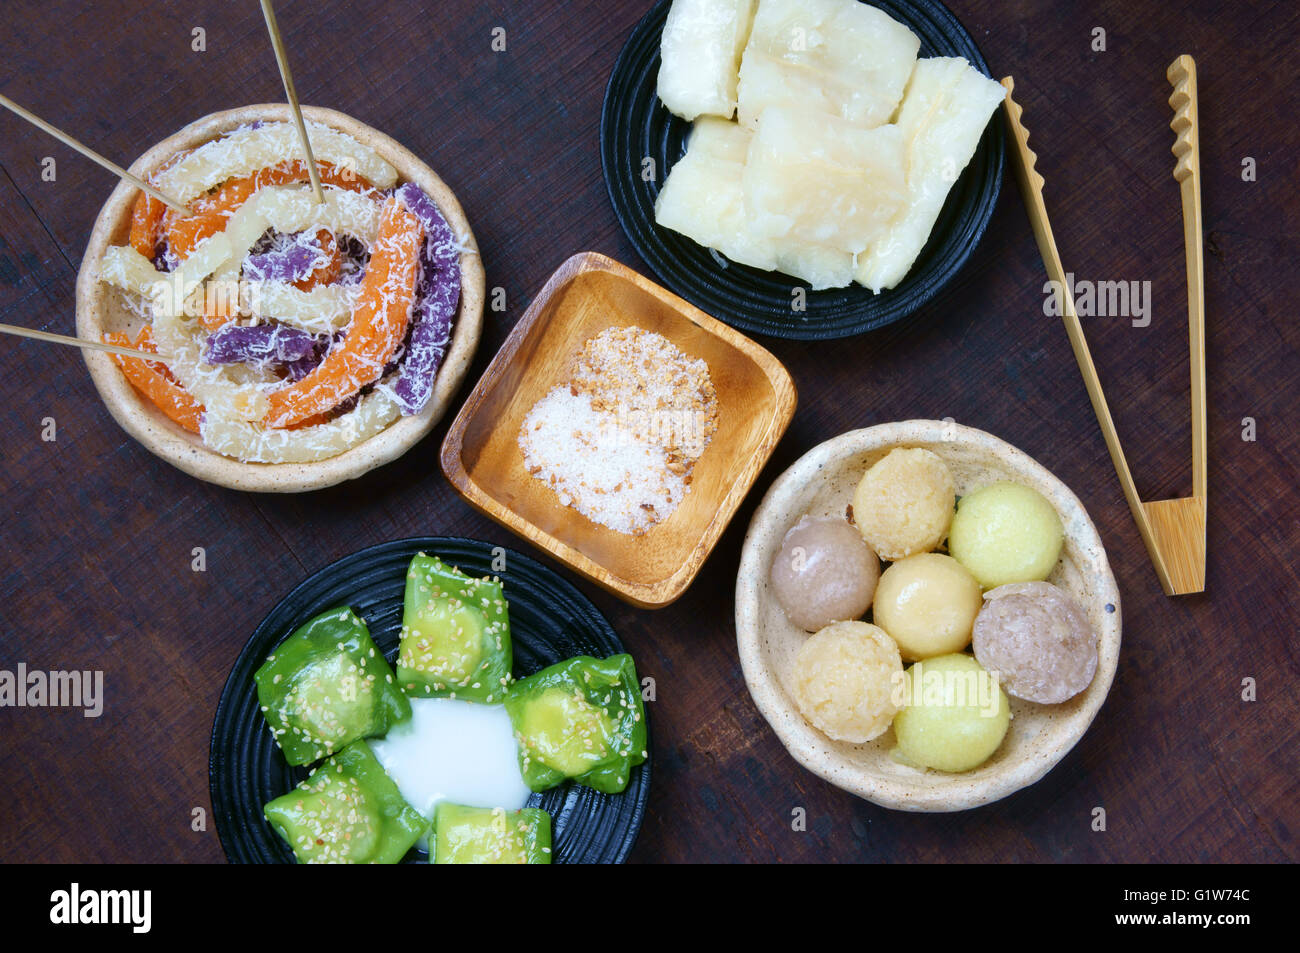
x,y
702,44
845,145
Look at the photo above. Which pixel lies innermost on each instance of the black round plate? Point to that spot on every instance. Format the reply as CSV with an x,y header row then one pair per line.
x,y
550,621
634,125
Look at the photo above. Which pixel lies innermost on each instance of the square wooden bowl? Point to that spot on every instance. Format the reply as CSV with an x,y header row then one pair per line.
x,y
482,459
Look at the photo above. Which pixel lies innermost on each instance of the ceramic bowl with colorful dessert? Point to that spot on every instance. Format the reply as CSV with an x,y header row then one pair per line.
x,y
300,342
925,615
618,428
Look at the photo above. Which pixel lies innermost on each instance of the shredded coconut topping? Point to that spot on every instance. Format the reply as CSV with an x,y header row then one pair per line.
x,y
618,441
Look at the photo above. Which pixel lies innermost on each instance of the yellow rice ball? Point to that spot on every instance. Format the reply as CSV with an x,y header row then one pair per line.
x,y
904,503
928,604
847,680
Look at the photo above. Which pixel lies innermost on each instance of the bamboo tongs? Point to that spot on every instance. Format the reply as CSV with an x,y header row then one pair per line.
x,y
1173,530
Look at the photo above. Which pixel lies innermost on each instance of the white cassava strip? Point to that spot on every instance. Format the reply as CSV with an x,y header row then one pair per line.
x,y
248,149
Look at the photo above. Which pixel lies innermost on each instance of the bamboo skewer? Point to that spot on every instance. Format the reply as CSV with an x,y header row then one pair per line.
x,y
1167,527
282,59
91,154
75,342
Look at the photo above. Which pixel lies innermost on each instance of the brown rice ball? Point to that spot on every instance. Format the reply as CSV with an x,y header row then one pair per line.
x,y
847,681
904,503
1038,641
824,573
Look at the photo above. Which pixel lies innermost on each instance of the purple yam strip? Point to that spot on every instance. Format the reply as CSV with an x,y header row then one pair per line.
x,y
356,258
164,260
263,342
292,263
437,297
300,368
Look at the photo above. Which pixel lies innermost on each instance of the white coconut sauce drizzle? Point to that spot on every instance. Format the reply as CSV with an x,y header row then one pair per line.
x,y
453,750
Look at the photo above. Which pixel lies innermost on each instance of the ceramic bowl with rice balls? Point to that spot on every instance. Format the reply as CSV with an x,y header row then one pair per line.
x,y
821,484
103,308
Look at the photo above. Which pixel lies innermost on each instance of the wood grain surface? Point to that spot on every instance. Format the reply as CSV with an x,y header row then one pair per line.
x,y
97,536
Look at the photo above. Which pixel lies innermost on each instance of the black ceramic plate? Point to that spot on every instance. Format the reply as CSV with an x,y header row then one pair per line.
x,y
549,621
635,125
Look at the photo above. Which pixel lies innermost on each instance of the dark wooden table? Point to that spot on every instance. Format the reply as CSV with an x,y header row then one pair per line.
x,y
96,535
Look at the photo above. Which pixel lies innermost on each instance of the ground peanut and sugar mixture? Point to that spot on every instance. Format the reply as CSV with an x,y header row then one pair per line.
x,y
619,439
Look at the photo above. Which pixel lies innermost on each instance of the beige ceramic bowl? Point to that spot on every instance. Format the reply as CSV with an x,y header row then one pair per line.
x,y
100,308
821,483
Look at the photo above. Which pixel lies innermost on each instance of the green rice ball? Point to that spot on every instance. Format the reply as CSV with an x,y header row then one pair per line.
x,y
1005,533
954,714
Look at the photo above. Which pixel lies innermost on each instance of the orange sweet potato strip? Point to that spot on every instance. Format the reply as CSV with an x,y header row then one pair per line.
x,y
155,381
144,342
329,272
211,212
313,421
378,324
146,223
150,218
